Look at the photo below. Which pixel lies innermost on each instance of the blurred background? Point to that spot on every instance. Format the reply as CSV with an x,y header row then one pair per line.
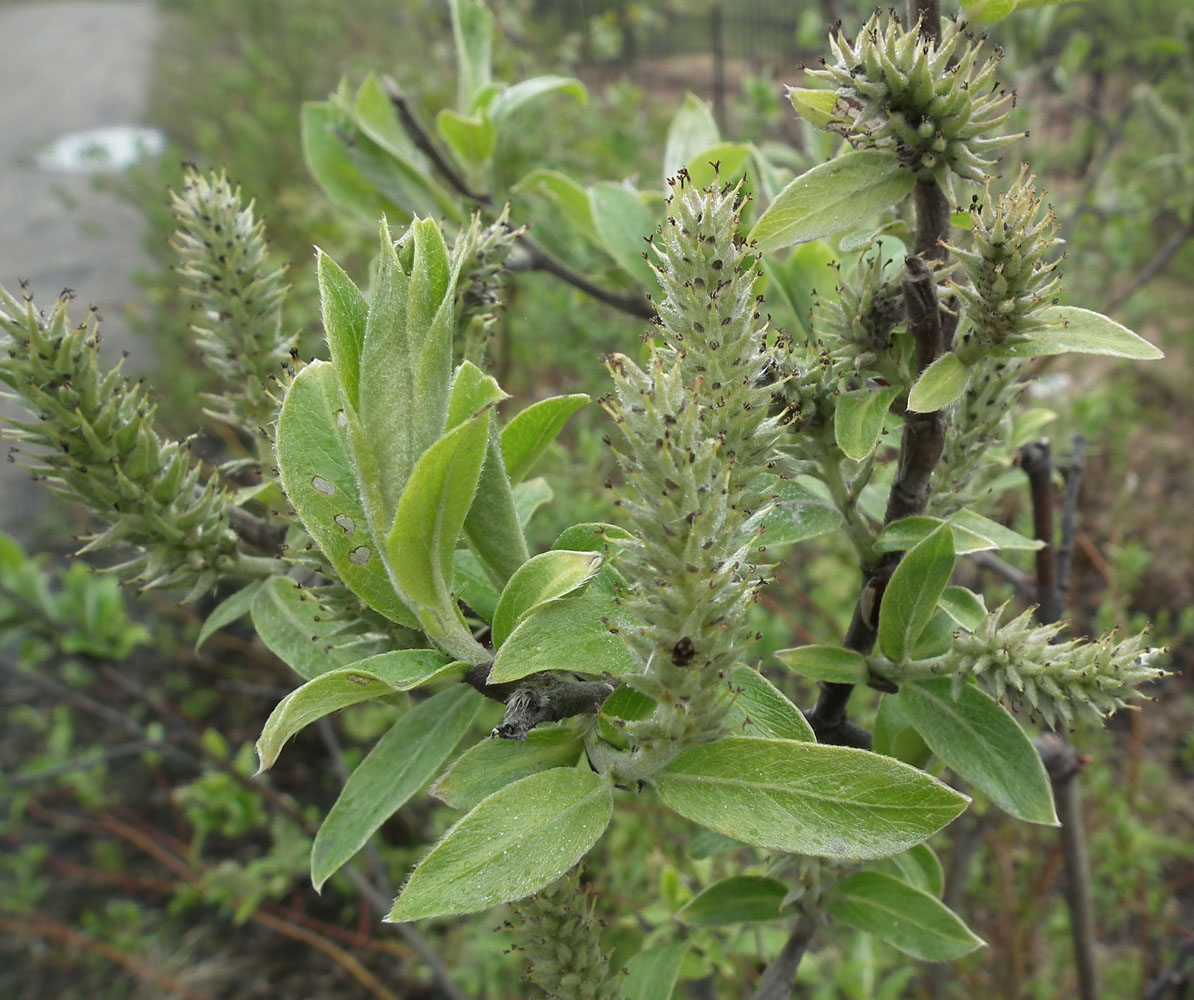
x,y
139,861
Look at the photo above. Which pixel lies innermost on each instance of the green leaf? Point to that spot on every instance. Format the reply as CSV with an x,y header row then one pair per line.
x,y
858,419
472,137
406,359
576,633
815,106
964,606
592,536
227,611
760,709
526,92
473,585
543,578
977,738
707,843
919,867
514,842
912,593
652,973
797,277
939,385
569,197
301,633
408,756
972,533
912,920
800,513
472,29
428,522
737,900
1027,425
314,460
344,311
731,159
807,798
826,663
835,196
472,392
493,764
691,130
937,639
623,223
330,165
376,116
988,11
373,677
527,436
530,496
894,736
1067,329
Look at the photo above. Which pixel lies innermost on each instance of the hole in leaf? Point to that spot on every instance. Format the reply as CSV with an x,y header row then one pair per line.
x,y
345,522
324,486
341,419
360,555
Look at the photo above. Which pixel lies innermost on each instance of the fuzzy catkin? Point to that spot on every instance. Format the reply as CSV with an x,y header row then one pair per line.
x,y
699,434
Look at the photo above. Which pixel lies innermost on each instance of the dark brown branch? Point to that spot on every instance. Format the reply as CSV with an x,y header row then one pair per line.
x,y
538,699
1021,582
780,976
538,258
1037,462
1069,514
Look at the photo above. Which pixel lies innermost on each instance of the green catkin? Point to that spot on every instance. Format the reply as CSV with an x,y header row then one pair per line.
x,y
224,265
894,93
699,432
96,445
1019,662
560,940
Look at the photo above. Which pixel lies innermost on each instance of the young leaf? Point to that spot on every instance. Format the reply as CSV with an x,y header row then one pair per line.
x,y
799,514
406,358
736,900
472,585
858,419
939,385
428,522
542,578
492,764
314,459
977,738
652,973
408,756
326,157
291,623
227,611
894,736
692,129
964,606
832,197
527,92
912,593
592,536
806,798
472,392
761,709
972,533
514,842
937,639
623,223
912,920
530,496
373,677
577,632
731,159
815,106
527,436
988,11
826,663
919,866
569,197
472,28
344,311
493,527
1066,329
472,137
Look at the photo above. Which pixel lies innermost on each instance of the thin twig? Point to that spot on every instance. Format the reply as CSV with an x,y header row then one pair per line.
x,y
1021,582
537,258
1069,513
1159,261
1036,460
780,976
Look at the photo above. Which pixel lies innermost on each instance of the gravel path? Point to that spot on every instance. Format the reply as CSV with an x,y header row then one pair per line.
x,y
68,66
